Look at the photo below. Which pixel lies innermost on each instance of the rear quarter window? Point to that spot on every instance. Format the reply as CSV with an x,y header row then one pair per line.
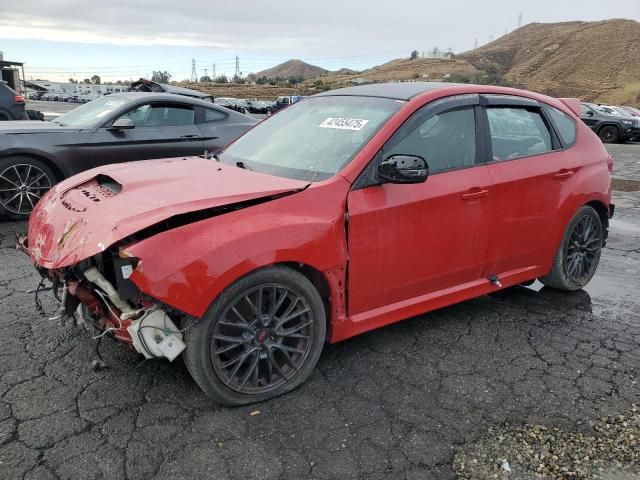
x,y
565,125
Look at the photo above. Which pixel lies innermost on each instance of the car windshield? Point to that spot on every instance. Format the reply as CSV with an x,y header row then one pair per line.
x,y
89,114
313,139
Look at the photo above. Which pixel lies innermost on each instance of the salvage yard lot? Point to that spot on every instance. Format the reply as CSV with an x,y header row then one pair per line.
x,y
397,403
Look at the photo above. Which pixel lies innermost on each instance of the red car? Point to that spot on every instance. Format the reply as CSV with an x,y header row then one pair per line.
x,y
348,211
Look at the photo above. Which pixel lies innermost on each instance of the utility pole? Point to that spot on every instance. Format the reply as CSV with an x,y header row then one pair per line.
x,y
476,44
237,74
519,19
194,75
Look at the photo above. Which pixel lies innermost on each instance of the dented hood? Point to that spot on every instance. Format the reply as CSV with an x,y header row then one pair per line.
x,y
89,212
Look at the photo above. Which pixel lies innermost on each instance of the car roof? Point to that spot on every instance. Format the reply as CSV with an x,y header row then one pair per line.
x,y
170,97
396,90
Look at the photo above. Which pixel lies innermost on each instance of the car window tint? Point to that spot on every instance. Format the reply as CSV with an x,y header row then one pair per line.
x,y
584,109
517,132
445,141
565,125
161,116
213,115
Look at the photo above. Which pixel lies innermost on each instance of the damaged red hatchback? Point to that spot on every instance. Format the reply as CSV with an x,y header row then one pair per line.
x,y
350,210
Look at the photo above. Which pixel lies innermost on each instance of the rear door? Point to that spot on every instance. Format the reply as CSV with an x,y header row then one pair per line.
x,y
162,130
410,240
529,170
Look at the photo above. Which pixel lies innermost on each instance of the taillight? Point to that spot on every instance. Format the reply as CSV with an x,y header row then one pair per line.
x,y
19,99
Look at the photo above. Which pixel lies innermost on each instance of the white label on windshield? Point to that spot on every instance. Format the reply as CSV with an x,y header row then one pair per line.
x,y
344,123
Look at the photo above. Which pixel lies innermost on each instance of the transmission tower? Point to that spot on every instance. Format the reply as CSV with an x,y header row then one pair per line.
x,y
476,44
206,73
213,72
237,74
194,75
519,19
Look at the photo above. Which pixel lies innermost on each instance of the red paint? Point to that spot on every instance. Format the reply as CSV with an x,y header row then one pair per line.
x,y
408,249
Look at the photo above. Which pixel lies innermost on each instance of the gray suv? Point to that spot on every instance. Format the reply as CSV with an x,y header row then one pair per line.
x,y
12,105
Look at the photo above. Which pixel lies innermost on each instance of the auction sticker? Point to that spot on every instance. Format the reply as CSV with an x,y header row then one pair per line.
x,y
344,123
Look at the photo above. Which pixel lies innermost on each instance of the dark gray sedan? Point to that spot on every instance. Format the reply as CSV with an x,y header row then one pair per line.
x,y
116,128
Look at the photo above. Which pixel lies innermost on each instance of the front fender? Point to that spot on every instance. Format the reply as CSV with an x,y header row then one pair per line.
x,y
188,267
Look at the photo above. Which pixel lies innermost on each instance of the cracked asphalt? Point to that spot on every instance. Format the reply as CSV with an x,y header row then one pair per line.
x,y
395,403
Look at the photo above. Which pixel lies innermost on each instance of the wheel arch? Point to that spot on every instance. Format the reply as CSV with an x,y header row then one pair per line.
x,y
47,161
603,213
609,124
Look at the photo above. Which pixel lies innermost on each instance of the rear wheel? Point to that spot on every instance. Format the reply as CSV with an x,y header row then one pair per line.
x,y
609,134
261,338
23,181
578,256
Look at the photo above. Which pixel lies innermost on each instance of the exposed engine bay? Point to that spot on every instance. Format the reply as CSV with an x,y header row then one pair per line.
x,y
98,292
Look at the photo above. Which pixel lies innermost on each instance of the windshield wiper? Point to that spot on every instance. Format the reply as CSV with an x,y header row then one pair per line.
x,y
242,165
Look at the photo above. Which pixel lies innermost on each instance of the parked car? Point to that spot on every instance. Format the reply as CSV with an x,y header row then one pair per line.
x,y
118,128
233,104
349,211
285,101
258,106
144,85
609,127
12,105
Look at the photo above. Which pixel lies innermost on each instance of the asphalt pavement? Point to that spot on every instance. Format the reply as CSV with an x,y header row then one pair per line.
x,y
402,402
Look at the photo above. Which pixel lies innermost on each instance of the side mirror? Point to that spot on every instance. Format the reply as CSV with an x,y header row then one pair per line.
x,y
123,123
403,169
589,114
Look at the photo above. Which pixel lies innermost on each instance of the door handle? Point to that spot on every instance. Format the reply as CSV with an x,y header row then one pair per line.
x,y
474,194
189,137
564,173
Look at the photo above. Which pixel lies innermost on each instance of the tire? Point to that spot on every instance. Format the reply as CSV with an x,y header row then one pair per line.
x,y
238,357
23,181
609,134
575,263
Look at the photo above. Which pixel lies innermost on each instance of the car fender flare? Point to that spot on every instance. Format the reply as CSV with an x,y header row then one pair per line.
x,y
609,124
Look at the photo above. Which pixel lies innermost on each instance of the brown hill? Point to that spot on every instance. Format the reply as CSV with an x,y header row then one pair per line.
x,y
292,68
591,60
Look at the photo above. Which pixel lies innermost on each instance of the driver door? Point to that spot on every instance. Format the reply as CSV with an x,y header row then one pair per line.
x,y
162,130
407,241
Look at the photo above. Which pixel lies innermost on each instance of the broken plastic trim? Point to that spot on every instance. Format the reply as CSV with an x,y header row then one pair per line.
x,y
182,219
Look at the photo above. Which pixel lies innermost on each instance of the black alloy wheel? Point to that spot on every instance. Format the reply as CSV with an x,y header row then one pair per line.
x,y
609,134
583,249
261,338
578,256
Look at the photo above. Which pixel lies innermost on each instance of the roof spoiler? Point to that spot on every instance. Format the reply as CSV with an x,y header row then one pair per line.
x,y
573,103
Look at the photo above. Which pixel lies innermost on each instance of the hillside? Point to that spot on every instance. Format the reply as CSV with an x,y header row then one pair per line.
x,y
591,60
292,68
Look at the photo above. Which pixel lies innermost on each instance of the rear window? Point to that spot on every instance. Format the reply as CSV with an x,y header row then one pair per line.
x,y
517,132
564,124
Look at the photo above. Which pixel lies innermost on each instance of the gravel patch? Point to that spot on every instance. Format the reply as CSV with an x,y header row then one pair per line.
x,y
609,448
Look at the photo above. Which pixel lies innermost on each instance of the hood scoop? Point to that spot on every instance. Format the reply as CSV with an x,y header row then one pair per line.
x,y
92,192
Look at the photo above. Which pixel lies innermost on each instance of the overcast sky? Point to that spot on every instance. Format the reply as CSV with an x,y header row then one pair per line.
x,y
122,40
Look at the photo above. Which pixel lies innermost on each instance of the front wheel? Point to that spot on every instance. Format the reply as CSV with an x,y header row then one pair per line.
x,y
23,181
609,134
579,253
261,337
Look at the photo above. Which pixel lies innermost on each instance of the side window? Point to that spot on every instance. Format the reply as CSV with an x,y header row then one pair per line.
x,y
446,140
211,115
161,115
584,110
565,125
517,132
